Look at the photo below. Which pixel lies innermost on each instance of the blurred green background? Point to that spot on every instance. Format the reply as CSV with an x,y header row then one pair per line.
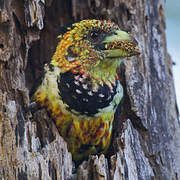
x,y
172,13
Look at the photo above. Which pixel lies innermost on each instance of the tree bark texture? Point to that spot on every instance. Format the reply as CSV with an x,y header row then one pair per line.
x,y
146,137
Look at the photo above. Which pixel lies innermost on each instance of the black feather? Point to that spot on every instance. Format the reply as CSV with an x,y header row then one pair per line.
x,y
78,98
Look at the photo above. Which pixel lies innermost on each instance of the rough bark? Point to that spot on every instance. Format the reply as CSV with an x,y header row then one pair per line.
x,y
146,139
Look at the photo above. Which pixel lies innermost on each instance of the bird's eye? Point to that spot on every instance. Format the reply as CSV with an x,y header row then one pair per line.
x,y
95,35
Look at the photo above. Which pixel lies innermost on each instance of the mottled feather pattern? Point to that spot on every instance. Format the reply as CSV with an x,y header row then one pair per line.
x,y
81,89
80,124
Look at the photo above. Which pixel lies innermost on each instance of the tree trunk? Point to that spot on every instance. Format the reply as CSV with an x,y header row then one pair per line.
x,y
146,139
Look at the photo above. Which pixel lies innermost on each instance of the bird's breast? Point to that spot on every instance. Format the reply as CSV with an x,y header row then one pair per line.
x,y
78,93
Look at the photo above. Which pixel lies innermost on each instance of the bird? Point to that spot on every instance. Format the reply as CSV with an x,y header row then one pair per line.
x,y
81,88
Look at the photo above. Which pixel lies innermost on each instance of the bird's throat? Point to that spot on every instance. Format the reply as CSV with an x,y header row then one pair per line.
x,y
103,72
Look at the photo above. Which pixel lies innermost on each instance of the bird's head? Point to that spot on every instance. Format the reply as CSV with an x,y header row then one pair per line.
x,y
89,43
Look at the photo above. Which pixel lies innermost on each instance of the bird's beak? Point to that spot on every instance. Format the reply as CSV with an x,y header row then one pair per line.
x,y
120,44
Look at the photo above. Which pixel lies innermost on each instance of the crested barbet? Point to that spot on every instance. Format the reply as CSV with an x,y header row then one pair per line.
x,y
81,89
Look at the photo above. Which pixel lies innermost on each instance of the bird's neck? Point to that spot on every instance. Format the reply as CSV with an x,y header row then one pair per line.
x,y
104,72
